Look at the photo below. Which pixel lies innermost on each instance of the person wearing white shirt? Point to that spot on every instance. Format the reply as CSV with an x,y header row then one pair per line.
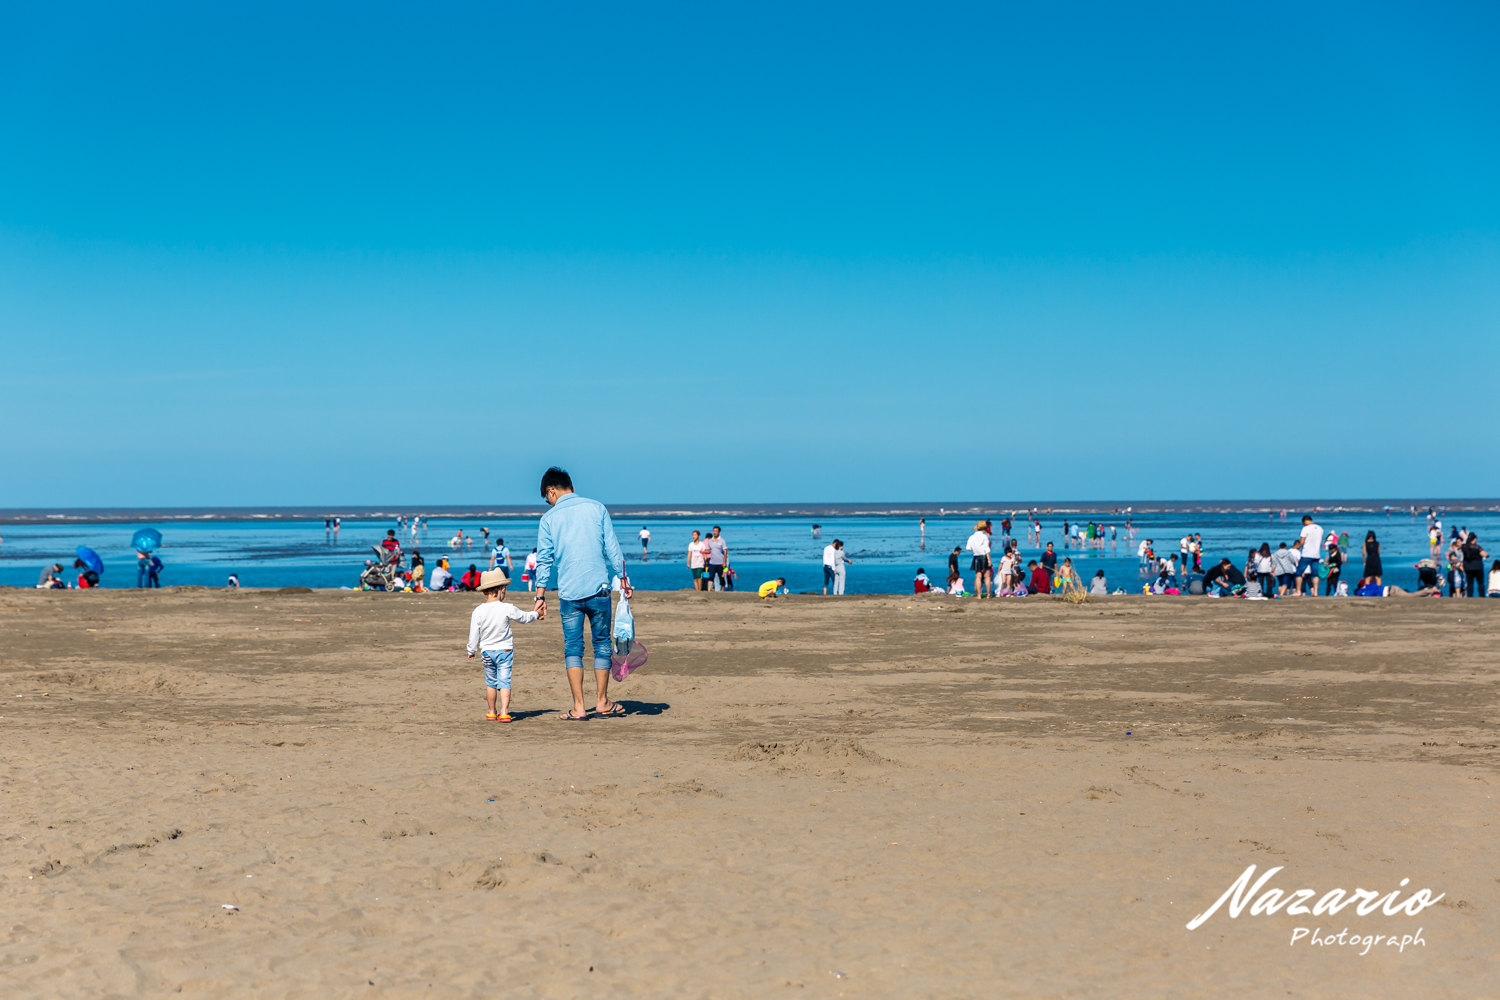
x,y
490,636
978,546
1310,548
645,537
830,560
839,573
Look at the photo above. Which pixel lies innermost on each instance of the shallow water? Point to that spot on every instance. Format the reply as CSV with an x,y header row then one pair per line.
x,y
884,548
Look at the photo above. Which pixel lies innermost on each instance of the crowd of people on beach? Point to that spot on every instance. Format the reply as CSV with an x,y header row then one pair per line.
x,y
988,564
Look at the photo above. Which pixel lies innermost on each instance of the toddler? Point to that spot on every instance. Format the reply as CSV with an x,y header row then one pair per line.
x,y
490,637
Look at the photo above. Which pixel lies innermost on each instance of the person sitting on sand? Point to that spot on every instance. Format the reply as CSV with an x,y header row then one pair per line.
x,y
921,584
490,636
1098,586
955,584
1222,579
51,578
1041,580
88,578
470,579
770,588
442,577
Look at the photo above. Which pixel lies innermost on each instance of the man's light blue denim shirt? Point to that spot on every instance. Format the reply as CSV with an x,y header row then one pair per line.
x,y
578,537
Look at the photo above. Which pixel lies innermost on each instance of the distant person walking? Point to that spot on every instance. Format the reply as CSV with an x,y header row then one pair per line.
x,y
576,538
645,537
500,559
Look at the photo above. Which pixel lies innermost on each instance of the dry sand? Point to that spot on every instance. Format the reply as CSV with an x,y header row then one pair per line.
x,y
861,797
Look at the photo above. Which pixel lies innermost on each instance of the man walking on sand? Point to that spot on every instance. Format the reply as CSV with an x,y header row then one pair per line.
x,y
577,537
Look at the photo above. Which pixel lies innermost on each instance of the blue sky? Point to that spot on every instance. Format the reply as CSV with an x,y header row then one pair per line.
x,y
366,253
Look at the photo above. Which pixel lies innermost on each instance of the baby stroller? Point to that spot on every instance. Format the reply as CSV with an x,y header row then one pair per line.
x,y
384,572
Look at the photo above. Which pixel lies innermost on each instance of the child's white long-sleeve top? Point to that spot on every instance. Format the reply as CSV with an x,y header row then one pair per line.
x,y
489,628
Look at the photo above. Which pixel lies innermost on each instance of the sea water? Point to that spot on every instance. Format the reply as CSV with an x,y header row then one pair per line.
x,y
282,548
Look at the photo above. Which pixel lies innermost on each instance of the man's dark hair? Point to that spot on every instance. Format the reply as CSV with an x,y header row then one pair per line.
x,y
837,544
555,477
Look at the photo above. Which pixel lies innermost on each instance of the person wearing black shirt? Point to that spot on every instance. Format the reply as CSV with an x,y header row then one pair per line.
x,y
1474,557
1335,567
953,560
1224,576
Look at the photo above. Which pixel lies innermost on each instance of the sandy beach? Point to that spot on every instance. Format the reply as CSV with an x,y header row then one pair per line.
x,y
859,797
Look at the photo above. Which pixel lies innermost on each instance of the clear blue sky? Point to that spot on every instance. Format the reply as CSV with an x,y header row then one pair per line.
x,y
380,253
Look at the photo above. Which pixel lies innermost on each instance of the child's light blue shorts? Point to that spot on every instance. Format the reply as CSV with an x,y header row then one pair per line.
x,y
497,667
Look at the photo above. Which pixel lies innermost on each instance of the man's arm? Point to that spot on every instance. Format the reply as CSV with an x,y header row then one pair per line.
x,y
613,557
543,574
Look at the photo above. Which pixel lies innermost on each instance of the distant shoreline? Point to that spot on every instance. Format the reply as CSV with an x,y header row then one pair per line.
x,y
112,515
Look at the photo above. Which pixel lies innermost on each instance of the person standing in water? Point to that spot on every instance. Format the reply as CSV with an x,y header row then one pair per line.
x,y
645,537
1372,570
839,572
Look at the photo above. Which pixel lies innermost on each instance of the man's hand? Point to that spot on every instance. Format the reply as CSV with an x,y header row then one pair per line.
x,y
540,607
626,589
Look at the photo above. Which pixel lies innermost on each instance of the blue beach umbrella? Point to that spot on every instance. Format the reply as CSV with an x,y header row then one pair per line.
x,y
146,540
90,558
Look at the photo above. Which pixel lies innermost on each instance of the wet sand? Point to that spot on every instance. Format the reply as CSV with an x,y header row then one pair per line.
x,y
861,797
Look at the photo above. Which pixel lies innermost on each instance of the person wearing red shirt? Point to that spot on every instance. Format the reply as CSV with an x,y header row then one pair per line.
x,y
1041,580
